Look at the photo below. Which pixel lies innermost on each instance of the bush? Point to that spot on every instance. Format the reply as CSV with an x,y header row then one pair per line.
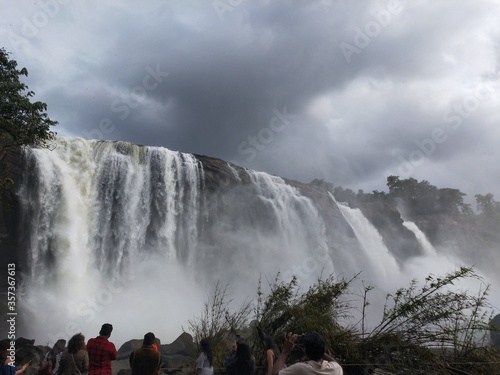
x,y
433,329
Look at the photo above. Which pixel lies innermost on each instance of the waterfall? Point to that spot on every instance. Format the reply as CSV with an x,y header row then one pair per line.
x,y
381,269
376,262
421,238
100,215
130,234
138,236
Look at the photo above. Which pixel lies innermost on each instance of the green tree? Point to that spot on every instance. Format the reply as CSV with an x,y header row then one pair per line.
x,y
422,198
451,201
486,204
22,122
345,195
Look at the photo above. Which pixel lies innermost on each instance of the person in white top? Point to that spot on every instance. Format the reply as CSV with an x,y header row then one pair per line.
x,y
318,362
204,362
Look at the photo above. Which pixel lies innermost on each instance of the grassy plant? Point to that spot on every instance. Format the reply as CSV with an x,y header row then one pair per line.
x,y
433,329
219,322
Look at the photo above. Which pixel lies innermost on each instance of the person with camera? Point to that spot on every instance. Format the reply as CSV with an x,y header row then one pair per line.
x,y
317,362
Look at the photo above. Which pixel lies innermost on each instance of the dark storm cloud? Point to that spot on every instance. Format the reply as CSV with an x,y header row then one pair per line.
x,y
222,86
342,90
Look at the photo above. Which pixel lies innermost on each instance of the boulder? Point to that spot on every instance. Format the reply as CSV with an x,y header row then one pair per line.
x,y
183,345
177,357
127,348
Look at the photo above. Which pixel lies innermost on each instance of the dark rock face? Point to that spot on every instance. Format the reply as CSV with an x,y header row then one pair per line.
x,y
10,167
399,240
233,203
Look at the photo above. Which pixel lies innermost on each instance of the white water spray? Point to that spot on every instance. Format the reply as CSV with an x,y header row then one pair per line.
x,y
125,234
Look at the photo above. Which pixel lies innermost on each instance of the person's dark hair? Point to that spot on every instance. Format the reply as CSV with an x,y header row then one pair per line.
x,y
4,345
106,329
206,347
76,343
244,359
314,345
59,346
149,338
269,343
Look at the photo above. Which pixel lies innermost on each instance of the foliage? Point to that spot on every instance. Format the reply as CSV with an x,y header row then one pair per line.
x,y
419,197
22,122
287,309
450,324
345,195
413,310
486,205
219,322
434,329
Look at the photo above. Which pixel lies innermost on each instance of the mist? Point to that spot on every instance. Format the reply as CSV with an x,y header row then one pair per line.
x,y
139,236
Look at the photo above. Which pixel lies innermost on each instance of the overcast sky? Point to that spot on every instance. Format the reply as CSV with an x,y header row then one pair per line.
x,y
347,91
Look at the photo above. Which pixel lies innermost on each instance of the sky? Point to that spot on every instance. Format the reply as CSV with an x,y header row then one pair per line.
x,y
346,91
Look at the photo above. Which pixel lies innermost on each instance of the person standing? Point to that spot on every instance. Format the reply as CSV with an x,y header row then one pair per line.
x,y
146,360
50,362
271,354
101,352
204,363
75,360
318,362
240,361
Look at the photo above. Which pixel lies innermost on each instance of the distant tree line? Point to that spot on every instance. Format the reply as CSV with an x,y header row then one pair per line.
x,y
419,198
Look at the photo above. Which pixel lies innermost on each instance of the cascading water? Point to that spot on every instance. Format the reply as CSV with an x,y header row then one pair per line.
x,y
382,269
138,236
421,238
99,215
376,262
127,234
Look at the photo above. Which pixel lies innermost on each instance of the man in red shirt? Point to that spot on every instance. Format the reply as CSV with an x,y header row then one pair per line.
x,y
101,352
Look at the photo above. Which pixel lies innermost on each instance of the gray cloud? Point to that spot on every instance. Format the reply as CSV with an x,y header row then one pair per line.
x,y
222,81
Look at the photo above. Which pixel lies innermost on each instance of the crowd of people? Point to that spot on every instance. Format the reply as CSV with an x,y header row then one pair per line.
x,y
317,360
95,357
